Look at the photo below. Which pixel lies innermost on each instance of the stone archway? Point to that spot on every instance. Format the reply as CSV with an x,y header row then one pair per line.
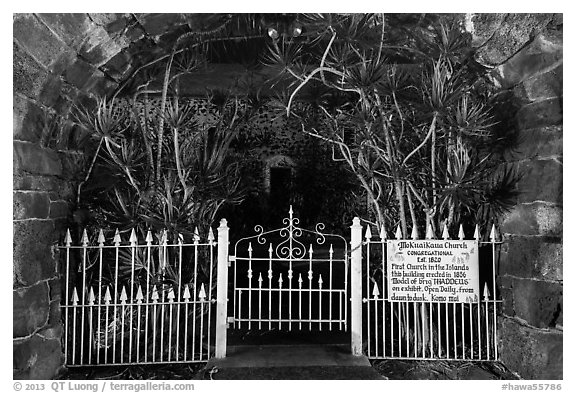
x,y
60,60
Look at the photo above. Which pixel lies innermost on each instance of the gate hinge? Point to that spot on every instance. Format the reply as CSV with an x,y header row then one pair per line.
x,y
231,258
230,320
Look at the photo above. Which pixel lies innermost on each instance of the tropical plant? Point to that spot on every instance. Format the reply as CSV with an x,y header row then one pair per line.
x,y
162,169
125,186
407,115
418,137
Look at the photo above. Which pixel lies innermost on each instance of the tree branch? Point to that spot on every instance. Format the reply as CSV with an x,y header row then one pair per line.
x,y
430,131
89,171
307,79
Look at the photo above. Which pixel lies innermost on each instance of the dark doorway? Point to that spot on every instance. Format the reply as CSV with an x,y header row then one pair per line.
x,y
280,194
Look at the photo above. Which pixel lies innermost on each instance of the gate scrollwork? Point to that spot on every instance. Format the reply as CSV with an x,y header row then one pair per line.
x,y
290,246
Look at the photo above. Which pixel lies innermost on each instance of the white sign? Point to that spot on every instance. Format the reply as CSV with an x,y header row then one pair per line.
x,y
433,271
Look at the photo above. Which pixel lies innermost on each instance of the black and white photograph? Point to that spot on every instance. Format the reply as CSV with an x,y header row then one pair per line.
x,y
256,196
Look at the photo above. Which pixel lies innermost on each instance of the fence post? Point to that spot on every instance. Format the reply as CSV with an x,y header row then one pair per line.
x,y
222,290
356,286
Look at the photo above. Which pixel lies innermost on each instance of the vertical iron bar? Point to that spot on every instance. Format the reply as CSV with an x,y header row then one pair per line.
x,y
148,274
68,241
139,307
290,286
454,327
270,287
211,246
155,315
430,334
107,305
384,305
471,328
74,307
415,324
479,331
83,296
260,301
133,245
291,223
407,326
375,322
493,241
122,308
194,308
347,259
249,286
447,329
117,241
162,316
392,329
400,316
239,305
100,260
439,329
487,328
195,292
179,295
90,320
320,303
186,297
171,308
330,293
300,301
423,321
202,300
280,302
463,329
341,295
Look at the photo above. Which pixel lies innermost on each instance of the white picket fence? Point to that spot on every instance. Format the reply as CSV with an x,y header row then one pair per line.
x,y
428,330
152,301
127,302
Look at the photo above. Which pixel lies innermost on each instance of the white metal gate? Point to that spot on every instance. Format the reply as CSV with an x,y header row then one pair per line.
x,y
290,278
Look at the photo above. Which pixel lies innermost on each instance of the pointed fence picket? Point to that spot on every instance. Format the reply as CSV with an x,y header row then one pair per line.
x,y
428,330
127,302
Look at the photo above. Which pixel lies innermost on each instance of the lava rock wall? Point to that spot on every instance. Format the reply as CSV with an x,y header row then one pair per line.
x,y
525,52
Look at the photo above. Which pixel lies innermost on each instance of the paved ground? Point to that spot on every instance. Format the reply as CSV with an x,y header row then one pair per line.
x,y
302,361
317,362
291,362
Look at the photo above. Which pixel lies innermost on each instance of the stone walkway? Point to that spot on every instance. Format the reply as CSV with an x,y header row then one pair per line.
x,y
303,362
